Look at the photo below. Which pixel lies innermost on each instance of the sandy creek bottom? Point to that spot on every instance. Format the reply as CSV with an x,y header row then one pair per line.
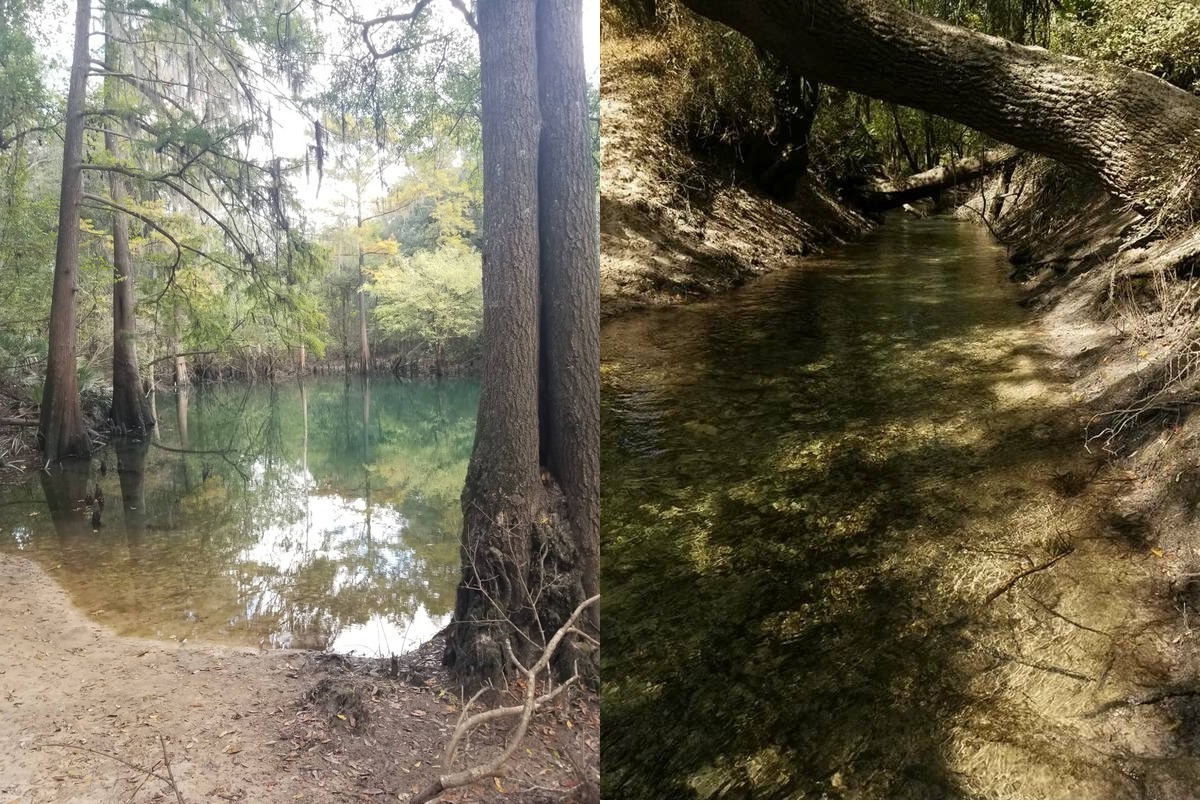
x,y
815,492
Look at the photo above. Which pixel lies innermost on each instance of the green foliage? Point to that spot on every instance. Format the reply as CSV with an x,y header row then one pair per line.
x,y
432,299
1158,36
24,102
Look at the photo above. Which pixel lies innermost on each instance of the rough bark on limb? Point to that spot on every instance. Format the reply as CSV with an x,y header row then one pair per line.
x,y
888,194
1128,128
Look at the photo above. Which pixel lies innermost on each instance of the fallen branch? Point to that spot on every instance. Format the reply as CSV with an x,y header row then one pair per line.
x,y
170,773
1045,668
449,781
169,779
1067,619
887,194
1147,699
19,422
1004,587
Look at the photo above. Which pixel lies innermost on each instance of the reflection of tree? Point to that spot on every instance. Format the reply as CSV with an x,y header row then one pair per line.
x,y
65,486
348,510
131,472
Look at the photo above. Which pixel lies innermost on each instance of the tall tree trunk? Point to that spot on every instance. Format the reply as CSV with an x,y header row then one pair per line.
x,y
503,490
130,408
570,279
61,429
364,352
1127,127
522,574
182,377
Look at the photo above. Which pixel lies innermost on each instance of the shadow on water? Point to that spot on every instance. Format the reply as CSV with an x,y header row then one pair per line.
x,y
795,479
322,514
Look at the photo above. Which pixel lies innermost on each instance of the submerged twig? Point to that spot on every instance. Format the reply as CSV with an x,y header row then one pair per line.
x,y
1004,587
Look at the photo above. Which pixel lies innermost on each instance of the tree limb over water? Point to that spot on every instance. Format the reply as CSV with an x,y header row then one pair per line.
x,y
1132,130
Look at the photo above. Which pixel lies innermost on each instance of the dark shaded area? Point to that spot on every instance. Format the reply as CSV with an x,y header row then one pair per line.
x,y
789,475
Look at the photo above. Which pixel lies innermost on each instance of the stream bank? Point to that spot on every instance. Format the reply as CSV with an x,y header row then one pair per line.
x,y
83,711
678,226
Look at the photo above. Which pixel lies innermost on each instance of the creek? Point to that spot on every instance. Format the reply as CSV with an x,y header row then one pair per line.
x,y
815,488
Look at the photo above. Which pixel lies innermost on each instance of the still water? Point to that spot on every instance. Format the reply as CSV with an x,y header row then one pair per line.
x,y
810,486
321,515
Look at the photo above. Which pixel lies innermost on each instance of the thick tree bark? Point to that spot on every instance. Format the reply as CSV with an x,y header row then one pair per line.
x,y
888,194
130,412
570,279
1127,127
61,430
503,490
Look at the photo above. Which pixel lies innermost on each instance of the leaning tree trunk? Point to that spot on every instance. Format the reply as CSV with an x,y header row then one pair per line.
x,y
130,412
521,568
1132,130
61,429
570,280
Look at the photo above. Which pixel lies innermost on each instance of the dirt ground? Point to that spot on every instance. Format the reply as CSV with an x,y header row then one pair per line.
x,y
90,716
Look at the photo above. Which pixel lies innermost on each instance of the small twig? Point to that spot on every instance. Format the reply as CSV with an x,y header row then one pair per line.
x,y
170,773
1004,587
1067,619
1045,668
125,762
1144,700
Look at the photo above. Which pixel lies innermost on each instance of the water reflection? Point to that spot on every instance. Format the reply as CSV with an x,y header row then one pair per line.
x,y
320,515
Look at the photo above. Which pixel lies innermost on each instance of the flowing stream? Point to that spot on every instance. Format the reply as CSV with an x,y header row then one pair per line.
x,y
814,491
321,515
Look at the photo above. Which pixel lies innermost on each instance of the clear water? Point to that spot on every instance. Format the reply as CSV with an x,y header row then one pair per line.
x,y
321,515
810,487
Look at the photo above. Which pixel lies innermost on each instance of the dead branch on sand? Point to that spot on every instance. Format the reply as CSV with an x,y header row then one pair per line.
x,y
526,710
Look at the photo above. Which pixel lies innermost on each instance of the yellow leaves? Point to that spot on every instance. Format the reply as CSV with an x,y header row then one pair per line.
x,y
382,248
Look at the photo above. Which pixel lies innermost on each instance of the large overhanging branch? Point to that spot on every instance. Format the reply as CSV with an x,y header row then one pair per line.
x,y
1127,127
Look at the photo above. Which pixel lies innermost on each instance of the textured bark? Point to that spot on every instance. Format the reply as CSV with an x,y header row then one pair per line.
x,y
887,194
503,489
130,412
61,429
570,280
1126,127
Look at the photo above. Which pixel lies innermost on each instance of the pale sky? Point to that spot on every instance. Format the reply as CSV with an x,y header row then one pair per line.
x,y
292,132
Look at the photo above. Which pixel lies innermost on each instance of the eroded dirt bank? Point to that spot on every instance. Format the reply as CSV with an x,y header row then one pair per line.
x,y
85,715
674,225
